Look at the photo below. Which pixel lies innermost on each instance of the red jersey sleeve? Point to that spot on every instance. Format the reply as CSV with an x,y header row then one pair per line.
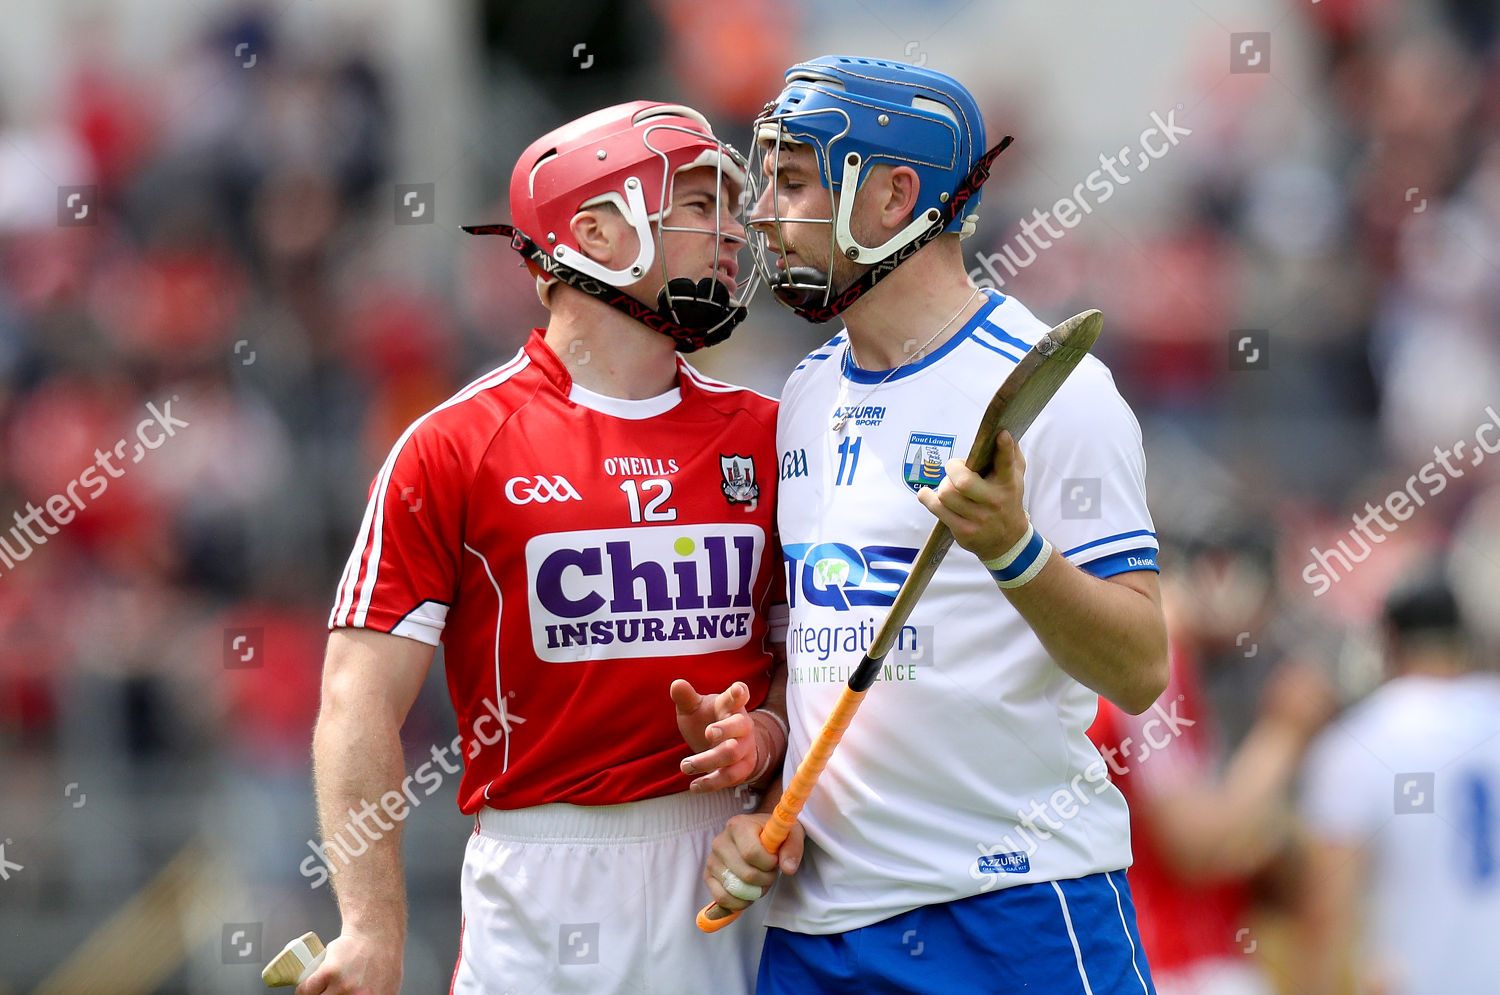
x,y
403,572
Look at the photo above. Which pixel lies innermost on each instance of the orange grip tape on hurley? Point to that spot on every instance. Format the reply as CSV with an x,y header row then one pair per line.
x,y
714,916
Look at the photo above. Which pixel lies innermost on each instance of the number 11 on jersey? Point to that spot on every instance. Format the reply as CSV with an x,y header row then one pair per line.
x,y
848,456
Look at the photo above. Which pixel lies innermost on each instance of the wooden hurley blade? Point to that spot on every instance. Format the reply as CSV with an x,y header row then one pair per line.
x,y
1032,383
1014,407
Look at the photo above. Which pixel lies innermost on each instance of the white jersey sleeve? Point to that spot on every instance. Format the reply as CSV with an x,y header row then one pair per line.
x,y
1086,476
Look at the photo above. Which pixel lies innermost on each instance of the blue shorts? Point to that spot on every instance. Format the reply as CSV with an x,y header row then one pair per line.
x,y
1075,937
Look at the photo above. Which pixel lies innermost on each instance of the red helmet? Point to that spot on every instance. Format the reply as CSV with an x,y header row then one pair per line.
x,y
626,155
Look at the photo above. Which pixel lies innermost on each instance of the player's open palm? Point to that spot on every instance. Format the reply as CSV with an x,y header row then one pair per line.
x,y
356,965
750,866
721,732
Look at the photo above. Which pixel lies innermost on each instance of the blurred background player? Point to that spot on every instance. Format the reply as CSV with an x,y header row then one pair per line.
x,y
578,527
1402,794
1210,803
984,719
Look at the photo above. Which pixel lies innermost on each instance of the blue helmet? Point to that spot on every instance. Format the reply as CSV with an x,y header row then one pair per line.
x,y
886,112
857,113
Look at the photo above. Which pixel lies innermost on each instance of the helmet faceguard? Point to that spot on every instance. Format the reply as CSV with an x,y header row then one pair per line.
x,y
855,114
627,156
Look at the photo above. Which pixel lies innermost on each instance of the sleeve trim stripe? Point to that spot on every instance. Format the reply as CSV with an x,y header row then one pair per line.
x,y
1101,542
1123,562
365,559
423,623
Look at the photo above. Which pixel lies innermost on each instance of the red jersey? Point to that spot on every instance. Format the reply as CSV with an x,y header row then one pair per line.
x,y
1164,749
574,558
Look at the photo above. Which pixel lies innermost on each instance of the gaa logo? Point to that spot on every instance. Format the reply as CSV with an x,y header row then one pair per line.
x,y
524,490
793,464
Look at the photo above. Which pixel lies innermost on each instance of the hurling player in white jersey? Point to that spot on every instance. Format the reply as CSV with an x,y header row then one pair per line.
x,y
550,523
1403,797
965,836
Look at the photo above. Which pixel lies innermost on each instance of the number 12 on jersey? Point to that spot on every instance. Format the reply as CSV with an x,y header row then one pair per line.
x,y
653,510
848,456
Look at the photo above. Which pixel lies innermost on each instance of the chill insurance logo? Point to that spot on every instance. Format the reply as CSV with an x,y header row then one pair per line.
x,y
653,591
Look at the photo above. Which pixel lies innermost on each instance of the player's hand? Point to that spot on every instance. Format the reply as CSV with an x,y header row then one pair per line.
x,y
739,848
984,514
357,964
721,732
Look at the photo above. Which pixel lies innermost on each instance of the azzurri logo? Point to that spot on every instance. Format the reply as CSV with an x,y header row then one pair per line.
x,y
652,591
1005,863
839,576
862,414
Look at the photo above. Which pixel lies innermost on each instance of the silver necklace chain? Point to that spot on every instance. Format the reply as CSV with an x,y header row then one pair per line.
x,y
843,411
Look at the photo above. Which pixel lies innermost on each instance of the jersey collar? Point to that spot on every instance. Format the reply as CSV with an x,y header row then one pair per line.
x,y
871,377
555,369
549,362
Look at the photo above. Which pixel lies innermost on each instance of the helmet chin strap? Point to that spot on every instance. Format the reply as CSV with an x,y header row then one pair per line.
x,y
801,287
804,288
692,314
704,306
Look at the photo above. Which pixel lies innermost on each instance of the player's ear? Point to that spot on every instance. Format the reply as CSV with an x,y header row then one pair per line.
x,y
899,196
602,234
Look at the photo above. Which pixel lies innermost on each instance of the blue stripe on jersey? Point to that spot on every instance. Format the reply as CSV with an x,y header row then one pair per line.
x,y
979,339
1100,542
1007,338
871,377
814,358
1119,563
1022,938
831,346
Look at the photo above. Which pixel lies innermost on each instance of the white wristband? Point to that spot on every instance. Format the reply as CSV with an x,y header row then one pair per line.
x,y
1021,564
763,767
1008,557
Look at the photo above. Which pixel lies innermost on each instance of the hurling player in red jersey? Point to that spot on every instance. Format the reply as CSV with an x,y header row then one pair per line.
x,y
580,527
1205,821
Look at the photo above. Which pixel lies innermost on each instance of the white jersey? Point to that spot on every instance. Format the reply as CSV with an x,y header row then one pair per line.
x,y
967,768
1412,775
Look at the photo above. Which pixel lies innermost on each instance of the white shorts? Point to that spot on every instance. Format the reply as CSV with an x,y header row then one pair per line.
x,y
1224,976
566,898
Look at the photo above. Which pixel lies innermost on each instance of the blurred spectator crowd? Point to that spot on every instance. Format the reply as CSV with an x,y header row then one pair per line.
x,y
232,262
